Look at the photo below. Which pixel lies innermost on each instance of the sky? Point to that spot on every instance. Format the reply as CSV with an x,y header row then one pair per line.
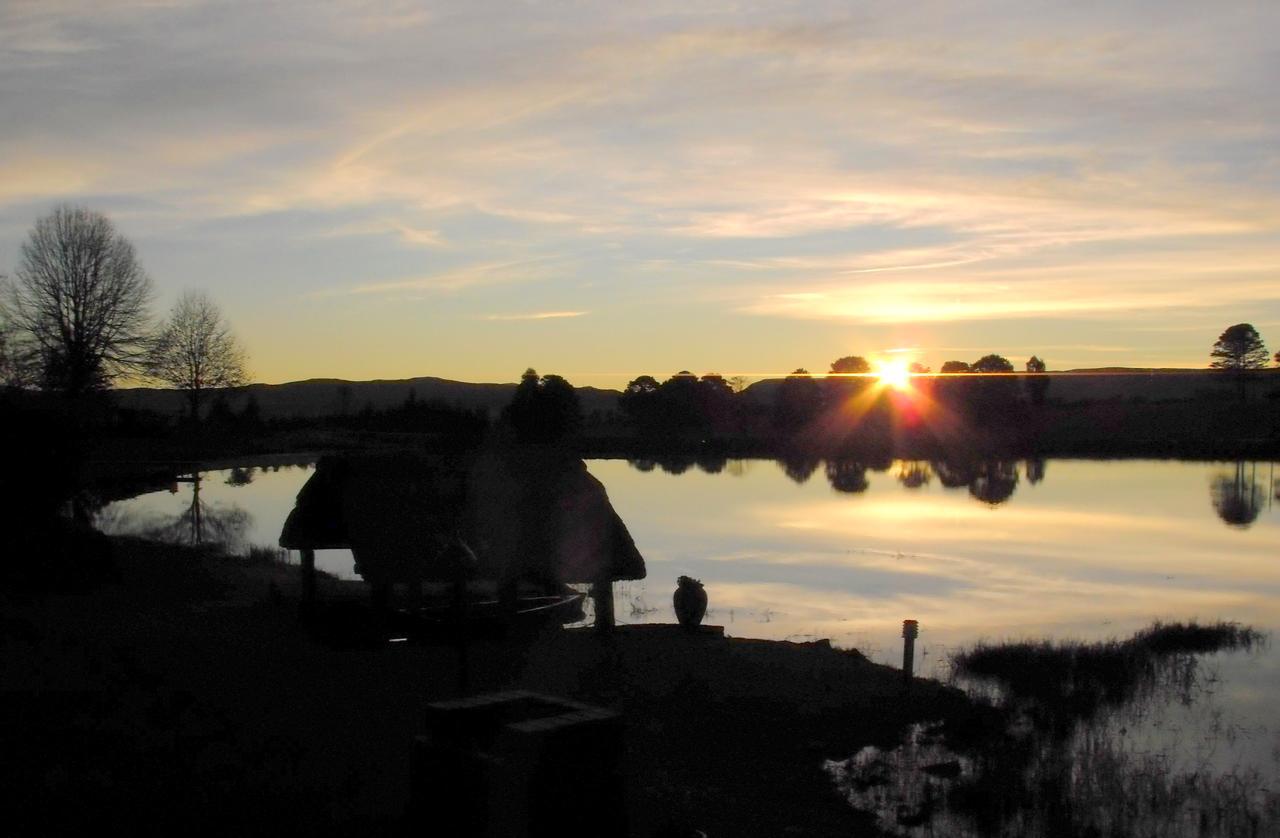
x,y
604,190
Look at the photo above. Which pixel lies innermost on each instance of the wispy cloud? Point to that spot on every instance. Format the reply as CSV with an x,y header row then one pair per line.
x,y
536,315
452,280
876,165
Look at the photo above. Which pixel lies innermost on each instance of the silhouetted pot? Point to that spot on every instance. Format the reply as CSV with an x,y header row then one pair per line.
x,y
690,601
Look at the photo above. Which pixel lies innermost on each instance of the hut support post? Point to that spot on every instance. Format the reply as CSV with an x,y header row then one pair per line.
x,y
308,577
602,600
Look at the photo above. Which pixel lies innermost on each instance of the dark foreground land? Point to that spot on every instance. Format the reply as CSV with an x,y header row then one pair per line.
x,y
187,697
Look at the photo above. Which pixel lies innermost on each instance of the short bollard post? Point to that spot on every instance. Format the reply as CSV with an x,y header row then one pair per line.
x,y
910,631
602,599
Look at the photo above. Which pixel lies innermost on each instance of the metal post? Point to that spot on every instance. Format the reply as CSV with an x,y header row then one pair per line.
x,y
910,631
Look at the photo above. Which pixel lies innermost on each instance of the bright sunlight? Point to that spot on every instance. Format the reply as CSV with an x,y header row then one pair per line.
x,y
895,373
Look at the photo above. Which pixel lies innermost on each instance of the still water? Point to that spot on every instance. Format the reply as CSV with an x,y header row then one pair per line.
x,y
1081,549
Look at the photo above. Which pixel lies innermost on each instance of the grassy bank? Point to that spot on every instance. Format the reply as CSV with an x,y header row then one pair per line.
x,y
187,697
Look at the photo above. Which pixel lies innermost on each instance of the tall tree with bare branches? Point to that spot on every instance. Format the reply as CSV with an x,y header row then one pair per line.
x,y
80,301
13,366
196,350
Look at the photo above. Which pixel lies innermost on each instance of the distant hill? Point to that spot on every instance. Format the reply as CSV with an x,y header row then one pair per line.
x,y
327,396
1109,383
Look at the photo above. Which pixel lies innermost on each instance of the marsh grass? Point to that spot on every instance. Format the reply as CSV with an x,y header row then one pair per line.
x,y
1084,749
1073,680
266,554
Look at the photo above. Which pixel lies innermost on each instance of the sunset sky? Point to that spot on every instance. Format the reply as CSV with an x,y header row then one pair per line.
x,y
601,190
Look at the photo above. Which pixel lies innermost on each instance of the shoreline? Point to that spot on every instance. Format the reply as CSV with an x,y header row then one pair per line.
x,y
727,735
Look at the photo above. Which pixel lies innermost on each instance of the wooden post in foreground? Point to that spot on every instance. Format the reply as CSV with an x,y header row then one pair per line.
x,y
602,600
910,630
308,577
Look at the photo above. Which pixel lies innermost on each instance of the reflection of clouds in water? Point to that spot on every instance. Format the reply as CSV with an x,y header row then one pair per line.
x,y
1120,541
1101,547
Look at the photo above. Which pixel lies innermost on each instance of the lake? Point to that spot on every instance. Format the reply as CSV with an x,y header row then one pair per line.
x,y
1083,549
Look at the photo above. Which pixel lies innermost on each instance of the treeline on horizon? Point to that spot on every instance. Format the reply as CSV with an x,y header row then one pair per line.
x,y
846,410
850,410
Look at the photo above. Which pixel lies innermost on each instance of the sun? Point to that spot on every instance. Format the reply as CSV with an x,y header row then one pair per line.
x,y
895,374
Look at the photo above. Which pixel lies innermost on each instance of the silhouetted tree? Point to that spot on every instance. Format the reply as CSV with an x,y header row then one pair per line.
x,y
639,401
196,351
991,364
917,368
15,363
679,400
840,387
81,300
990,395
850,365
1037,383
950,391
543,409
798,401
1239,350
715,400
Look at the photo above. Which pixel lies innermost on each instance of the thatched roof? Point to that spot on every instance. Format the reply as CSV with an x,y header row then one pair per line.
x,y
526,513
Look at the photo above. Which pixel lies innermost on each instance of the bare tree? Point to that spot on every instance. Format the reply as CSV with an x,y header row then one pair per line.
x,y
196,350
81,301
13,370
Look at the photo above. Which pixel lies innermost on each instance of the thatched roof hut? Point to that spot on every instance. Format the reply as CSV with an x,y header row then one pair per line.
x,y
528,515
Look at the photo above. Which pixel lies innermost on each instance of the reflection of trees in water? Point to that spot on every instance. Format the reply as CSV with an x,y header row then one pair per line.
x,y
712,463
676,464
953,474
990,481
240,476
199,522
848,476
642,464
914,473
995,481
799,467
1035,469
1237,497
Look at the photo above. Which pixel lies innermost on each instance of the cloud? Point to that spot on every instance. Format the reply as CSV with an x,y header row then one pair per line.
x,y
537,315
871,163
451,280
